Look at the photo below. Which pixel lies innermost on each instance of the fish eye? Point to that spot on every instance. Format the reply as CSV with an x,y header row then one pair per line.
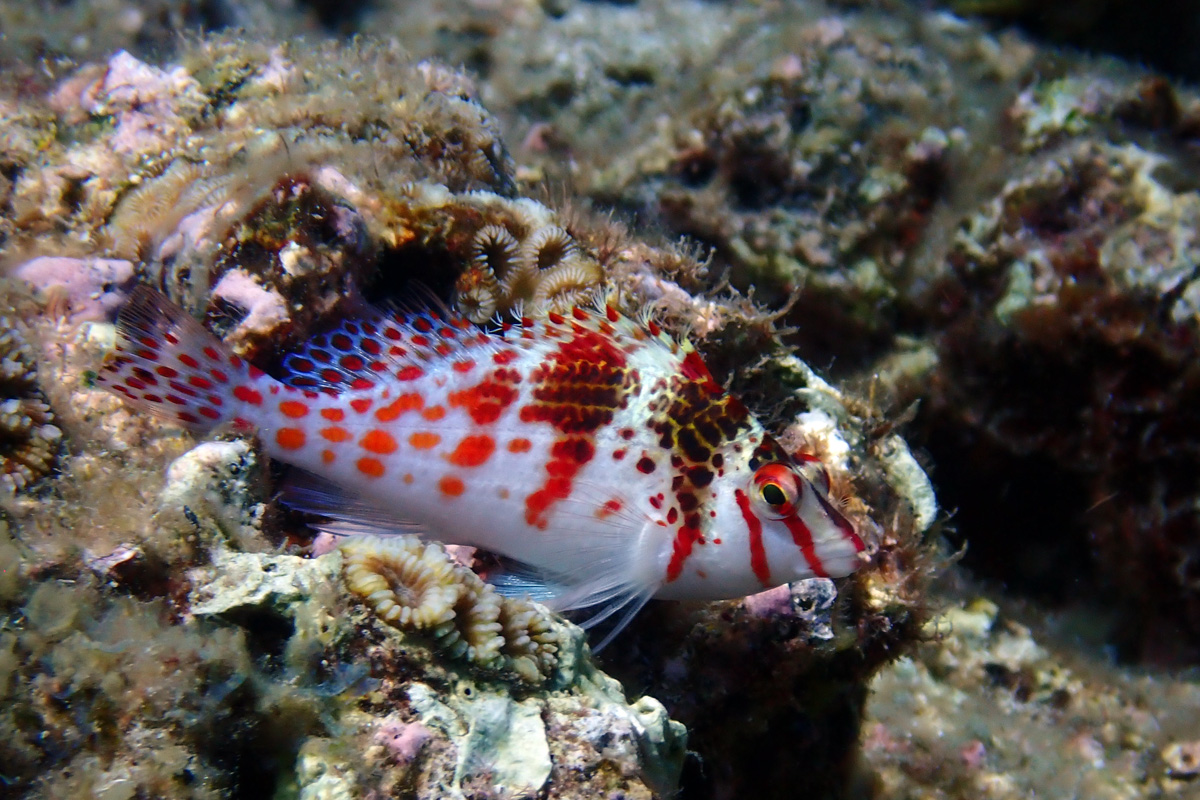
x,y
773,494
776,490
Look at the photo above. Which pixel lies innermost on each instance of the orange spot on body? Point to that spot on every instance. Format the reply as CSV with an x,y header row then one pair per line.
x,y
401,405
424,440
472,451
408,477
335,434
378,441
466,365
333,414
294,409
290,438
327,456
434,413
503,493
371,467
451,486
520,446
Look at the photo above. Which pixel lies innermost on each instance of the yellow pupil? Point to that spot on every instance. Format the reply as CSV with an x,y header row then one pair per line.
x,y
773,494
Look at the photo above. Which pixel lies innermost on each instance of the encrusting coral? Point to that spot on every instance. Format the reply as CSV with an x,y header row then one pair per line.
x,y
29,440
414,585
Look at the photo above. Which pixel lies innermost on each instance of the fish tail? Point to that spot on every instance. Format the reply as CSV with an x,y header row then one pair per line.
x,y
167,364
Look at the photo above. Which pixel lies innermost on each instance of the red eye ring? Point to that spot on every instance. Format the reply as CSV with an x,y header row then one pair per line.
x,y
775,490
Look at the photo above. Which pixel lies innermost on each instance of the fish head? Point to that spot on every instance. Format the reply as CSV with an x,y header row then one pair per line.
x,y
804,532
770,519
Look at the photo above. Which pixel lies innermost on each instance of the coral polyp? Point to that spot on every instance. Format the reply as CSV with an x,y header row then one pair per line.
x,y
29,440
397,579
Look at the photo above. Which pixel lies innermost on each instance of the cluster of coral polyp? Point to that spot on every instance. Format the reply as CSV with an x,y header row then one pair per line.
x,y
416,586
29,440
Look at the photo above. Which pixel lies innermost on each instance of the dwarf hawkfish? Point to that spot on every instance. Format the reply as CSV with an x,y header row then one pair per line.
x,y
593,450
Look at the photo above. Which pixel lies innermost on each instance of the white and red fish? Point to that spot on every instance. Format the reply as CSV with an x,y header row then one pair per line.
x,y
593,449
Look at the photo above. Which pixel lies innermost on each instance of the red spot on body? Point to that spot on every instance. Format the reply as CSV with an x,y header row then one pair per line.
x,y
371,467
327,456
505,357
608,509
351,363
212,353
378,441
410,401
472,451
362,404
199,383
248,395
294,409
184,416
567,457
645,465
188,361
333,414
451,486
409,373
611,313
206,411
290,438
618,455
485,401
465,365
167,372
520,446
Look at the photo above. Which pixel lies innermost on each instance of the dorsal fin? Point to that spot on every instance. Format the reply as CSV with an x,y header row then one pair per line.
x,y
379,344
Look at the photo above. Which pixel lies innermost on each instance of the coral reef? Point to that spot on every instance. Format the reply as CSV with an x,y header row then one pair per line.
x,y
414,585
930,211
29,439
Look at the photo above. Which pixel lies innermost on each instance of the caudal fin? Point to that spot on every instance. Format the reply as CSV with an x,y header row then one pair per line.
x,y
167,364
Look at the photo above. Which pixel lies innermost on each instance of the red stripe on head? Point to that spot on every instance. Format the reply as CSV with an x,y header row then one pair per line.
x,y
758,554
802,537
